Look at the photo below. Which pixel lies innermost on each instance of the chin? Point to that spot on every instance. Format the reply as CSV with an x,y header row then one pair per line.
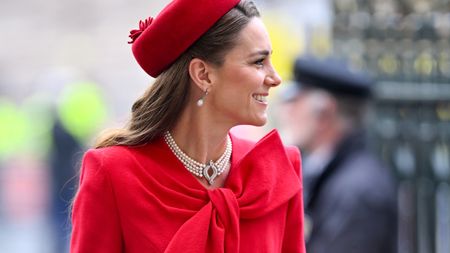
x,y
254,120
258,122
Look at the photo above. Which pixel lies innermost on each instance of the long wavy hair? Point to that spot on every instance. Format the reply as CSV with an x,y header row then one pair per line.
x,y
163,102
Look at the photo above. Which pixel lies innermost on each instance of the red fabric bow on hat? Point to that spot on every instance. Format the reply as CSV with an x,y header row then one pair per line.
x,y
134,34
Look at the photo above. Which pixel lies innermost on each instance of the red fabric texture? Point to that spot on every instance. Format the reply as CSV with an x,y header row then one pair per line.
x,y
142,199
174,30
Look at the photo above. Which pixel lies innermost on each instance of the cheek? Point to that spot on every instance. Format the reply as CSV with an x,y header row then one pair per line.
x,y
233,95
247,79
237,85
229,100
237,92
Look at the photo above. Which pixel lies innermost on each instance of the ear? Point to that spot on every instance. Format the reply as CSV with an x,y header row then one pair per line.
x,y
199,71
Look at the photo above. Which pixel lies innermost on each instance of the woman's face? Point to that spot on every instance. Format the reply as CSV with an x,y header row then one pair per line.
x,y
241,85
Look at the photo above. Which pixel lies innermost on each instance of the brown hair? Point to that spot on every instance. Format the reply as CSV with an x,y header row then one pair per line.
x,y
162,104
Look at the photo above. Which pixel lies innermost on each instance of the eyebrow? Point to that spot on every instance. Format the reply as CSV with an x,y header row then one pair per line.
x,y
260,52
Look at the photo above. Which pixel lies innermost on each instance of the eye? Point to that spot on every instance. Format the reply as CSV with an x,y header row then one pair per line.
x,y
260,62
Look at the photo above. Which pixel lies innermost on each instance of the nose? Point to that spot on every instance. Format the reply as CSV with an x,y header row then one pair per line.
x,y
273,79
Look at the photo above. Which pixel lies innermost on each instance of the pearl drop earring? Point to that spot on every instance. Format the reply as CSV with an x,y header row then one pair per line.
x,y
201,101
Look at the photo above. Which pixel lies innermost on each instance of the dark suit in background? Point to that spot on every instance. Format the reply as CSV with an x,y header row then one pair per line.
x,y
352,203
350,197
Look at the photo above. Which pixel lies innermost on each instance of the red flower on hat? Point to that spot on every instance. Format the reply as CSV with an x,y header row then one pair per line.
x,y
134,34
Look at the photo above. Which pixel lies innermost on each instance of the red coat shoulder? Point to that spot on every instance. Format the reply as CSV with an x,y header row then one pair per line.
x,y
243,146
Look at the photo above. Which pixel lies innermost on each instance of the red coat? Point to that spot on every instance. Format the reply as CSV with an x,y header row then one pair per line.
x,y
142,199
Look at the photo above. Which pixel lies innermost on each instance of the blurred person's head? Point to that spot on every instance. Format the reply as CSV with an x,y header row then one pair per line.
x,y
326,102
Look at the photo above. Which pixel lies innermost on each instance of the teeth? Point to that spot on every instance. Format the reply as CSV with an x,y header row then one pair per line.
x,y
260,98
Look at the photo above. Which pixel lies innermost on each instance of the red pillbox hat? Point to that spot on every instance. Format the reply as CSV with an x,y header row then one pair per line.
x,y
160,41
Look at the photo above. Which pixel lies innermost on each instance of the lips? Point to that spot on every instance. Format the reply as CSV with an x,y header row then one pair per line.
x,y
260,98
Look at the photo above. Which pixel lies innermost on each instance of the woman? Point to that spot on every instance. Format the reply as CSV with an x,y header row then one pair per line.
x,y
175,180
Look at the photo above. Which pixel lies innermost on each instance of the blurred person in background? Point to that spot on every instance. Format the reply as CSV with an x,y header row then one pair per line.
x,y
350,197
77,115
174,179
63,163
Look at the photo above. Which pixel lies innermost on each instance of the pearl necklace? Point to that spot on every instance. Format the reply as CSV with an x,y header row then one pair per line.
x,y
209,170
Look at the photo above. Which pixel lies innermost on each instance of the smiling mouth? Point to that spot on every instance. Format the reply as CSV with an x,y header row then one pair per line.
x,y
260,98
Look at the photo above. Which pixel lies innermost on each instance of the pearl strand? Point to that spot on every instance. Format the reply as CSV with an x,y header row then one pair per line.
x,y
196,167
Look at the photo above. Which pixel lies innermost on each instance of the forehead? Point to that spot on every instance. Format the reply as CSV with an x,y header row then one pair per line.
x,y
254,37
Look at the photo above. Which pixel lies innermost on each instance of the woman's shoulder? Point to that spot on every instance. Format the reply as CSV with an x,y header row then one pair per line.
x,y
107,156
115,156
110,152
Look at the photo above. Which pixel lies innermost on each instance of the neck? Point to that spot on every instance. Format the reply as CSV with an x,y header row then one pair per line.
x,y
199,136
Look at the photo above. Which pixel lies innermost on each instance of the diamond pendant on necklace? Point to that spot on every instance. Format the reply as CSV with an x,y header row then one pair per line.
x,y
206,172
209,170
